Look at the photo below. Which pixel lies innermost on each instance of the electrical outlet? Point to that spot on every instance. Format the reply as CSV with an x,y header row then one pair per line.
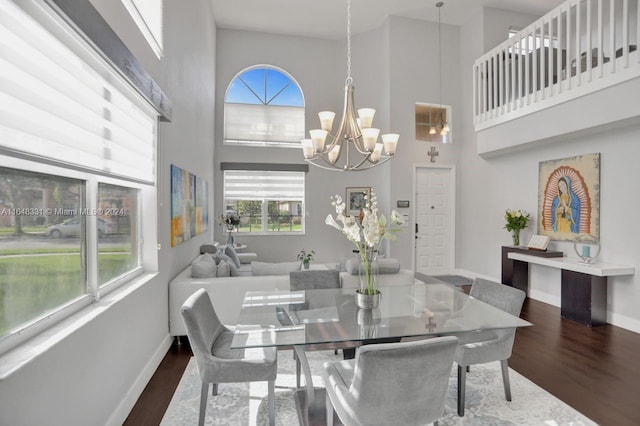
x,y
159,246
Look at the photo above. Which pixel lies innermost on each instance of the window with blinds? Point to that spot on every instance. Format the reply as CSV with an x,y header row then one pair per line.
x,y
265,201
77,166
264,107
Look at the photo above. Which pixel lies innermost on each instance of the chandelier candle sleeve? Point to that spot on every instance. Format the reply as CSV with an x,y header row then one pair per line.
x,y
326,119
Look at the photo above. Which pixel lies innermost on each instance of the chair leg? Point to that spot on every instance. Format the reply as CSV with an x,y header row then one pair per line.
x,y
329,411
271,399
504,364
214,389
203,403
297,373
304,364
462,379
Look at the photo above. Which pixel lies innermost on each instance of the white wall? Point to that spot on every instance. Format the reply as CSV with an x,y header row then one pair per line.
x,y
414,69
319,67
93,376
488,186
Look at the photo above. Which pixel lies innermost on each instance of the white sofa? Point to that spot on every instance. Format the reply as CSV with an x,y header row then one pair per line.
x,y
227,293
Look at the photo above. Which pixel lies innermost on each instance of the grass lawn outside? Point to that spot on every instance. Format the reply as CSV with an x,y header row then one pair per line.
x,y
32,286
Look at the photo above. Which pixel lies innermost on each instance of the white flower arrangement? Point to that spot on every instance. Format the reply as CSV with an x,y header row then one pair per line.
x,y
367,231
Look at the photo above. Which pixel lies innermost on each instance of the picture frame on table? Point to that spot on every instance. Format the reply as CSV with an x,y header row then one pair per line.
x,y
355,199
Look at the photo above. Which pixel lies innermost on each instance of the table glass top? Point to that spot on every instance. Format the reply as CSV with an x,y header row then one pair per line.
x,y
284,318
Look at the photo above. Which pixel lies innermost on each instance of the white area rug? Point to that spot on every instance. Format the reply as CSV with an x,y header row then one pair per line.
x,y
240,404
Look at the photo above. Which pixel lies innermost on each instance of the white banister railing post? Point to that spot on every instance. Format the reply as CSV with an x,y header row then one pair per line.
x,y
589,57
561,66
612,35
569,67
625,34
577,36
599,41
523,87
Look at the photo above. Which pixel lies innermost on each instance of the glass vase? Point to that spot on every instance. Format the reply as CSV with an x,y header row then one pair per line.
x,y
515,234
368,279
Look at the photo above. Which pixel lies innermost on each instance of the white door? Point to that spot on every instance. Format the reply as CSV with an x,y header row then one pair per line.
x,y
434,220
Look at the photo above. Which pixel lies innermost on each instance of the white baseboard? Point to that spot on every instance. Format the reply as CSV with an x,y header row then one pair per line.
x,y
623,321
121,413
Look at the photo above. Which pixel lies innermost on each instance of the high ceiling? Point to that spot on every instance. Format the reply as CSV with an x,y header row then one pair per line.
x,y
327,18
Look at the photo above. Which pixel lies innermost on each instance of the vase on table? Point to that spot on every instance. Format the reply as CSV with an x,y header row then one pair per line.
x,y
368,295
515,234
305,265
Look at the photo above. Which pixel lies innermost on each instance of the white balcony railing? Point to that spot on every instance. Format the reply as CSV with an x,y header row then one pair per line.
x,y
578,48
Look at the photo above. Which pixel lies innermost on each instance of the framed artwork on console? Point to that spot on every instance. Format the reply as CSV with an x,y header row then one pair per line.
x,y
569,197
355,199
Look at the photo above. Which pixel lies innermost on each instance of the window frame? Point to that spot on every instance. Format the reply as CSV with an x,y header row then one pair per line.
x,y
265,206
263,143
63,28
94,292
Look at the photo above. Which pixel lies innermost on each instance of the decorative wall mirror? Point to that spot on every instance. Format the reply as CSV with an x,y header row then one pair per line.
x,y
431,119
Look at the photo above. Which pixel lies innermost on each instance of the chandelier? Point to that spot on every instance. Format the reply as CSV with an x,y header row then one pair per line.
x,y
354,146
444,126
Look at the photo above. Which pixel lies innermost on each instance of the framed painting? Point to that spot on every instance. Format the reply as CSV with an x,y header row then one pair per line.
x,y
569,197
189,205
355,199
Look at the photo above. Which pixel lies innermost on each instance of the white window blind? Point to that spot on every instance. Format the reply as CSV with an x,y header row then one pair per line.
x,y
263,124
263,185
54,106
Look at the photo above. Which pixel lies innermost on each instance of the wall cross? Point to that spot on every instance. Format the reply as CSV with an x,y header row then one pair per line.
x,y
433,154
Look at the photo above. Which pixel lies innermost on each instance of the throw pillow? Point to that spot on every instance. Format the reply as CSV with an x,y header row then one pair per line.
x,y
221,256
282,268
224,269
203,267
208,248
231,252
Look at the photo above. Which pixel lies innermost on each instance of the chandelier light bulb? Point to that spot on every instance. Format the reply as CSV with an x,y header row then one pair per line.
x,y
334,154
307,148
366,117
390,142
432,130
369,138
377,152
318,136
326,120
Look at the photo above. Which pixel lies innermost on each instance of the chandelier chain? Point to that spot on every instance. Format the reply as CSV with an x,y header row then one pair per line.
x,y
439,6
349,79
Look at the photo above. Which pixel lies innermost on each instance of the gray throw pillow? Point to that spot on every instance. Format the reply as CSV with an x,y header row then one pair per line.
x,y
208,248
224,269
282,268
221,256
231,252
203,267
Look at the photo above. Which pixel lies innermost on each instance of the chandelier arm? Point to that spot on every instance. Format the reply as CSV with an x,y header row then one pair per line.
x,y
350,168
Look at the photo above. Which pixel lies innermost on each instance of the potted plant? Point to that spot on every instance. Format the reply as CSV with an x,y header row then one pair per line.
x,y
306,257
517,220
231,221
366,232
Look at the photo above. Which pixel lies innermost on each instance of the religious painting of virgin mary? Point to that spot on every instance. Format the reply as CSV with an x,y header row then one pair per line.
x,y
569,197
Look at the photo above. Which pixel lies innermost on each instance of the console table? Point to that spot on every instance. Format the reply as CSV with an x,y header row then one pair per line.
x,y
583,296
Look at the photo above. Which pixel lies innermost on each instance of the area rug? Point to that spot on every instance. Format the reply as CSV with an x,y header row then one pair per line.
x,y
241,404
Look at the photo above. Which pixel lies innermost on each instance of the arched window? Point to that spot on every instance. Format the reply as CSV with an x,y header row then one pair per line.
x,y
264,106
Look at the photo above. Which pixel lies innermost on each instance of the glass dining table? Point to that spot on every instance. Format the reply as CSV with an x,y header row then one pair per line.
x,y
329,319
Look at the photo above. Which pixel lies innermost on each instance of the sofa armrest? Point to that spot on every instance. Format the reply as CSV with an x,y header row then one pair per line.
x,y
247,257
403,277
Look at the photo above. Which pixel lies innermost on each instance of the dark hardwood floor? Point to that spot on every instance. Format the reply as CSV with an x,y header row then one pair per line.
x,y
594,370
